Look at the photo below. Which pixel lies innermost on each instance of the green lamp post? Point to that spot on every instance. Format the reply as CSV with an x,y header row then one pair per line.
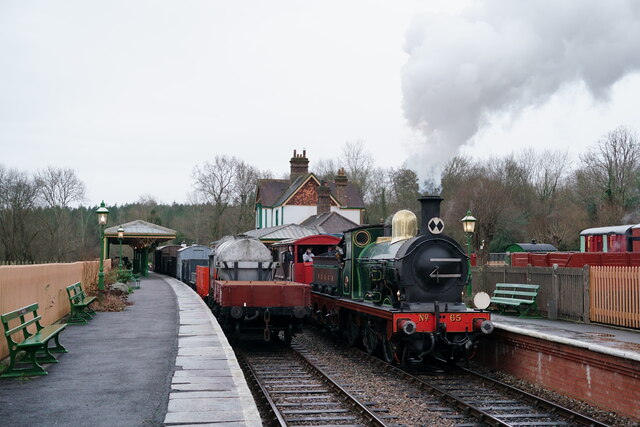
x,y
469,226
120,236
103,214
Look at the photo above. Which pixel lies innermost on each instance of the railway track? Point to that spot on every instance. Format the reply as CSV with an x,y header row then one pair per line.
x,y
301,392
459,397
469,398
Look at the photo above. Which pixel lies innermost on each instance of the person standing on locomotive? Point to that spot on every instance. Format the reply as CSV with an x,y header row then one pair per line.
x,y
287,260
308,256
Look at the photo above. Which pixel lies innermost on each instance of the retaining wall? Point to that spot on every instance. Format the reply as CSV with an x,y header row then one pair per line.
x,y
21,285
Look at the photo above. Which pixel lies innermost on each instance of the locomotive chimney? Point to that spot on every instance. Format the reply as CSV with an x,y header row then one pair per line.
x,y
299,165
430,209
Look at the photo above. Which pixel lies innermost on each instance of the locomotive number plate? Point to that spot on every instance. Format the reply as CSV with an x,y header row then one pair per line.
x,y
425,322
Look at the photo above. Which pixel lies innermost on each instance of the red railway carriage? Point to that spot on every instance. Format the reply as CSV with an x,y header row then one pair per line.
x,y
298,270
618,238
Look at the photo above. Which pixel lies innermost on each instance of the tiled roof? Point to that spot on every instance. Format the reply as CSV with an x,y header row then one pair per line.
x,y
293,188
354,198
274,192
270,190
330,223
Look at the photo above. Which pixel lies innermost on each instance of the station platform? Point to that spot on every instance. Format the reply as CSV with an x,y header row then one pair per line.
x,y
617,342
594,363
162,361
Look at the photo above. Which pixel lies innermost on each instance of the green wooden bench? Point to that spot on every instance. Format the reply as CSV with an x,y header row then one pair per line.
x,y
35,344
80,305
518,296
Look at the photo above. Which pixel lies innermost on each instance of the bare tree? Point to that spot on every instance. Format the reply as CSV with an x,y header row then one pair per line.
x,y
358,164
18,198
197,222
215,183
547,170
59,187
611,168
326,169
485,188
405,189
379,205
244,188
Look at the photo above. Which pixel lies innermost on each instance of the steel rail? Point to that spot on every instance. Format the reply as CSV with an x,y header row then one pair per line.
x,y
264,392
537,401
351,400
359,408
461,405
481,415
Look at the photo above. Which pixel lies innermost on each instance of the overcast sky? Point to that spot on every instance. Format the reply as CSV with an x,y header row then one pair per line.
x,y
133,94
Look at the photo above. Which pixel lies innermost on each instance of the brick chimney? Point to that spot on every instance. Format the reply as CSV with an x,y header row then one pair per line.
x,y
299,165
324,199
341,187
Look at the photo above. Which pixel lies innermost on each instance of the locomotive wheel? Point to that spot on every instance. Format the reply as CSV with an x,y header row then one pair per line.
x,y
369,338
388,350
351,331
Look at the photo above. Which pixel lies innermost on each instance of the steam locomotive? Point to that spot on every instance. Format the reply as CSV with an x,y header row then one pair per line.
x,y
400,291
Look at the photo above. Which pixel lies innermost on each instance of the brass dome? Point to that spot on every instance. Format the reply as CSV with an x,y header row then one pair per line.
x,y
404,225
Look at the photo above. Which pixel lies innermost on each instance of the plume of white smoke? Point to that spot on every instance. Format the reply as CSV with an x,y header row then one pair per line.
x,y
502,56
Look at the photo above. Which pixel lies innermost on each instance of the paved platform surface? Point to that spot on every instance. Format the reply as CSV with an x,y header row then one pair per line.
x,y
143,366
618,342
208,385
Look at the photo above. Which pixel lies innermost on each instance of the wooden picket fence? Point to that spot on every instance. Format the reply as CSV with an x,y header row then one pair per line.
x,y
615,296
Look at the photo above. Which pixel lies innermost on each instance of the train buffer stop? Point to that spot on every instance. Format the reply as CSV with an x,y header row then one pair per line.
x,y
162,361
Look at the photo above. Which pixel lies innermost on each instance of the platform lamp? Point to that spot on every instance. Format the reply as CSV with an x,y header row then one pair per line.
x,y
120,236
469,226
103,214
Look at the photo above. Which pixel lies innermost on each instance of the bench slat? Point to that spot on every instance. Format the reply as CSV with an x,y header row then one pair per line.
x,y
510,301
42,336
22,326
521,293
517,285
78,296
19,312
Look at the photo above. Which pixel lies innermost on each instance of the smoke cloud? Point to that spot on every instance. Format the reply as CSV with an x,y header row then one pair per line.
x,y
503,56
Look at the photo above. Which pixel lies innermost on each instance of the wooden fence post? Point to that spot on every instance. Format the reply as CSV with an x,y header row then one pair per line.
x,y
586,282
554,295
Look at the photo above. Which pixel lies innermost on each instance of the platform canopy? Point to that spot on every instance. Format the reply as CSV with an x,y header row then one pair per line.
x,y
139,234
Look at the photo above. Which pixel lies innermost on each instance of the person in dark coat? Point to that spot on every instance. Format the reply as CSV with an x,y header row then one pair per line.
x,y
287,260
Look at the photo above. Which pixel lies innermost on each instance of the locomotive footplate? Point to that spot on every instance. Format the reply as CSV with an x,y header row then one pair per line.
x,y
425,317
